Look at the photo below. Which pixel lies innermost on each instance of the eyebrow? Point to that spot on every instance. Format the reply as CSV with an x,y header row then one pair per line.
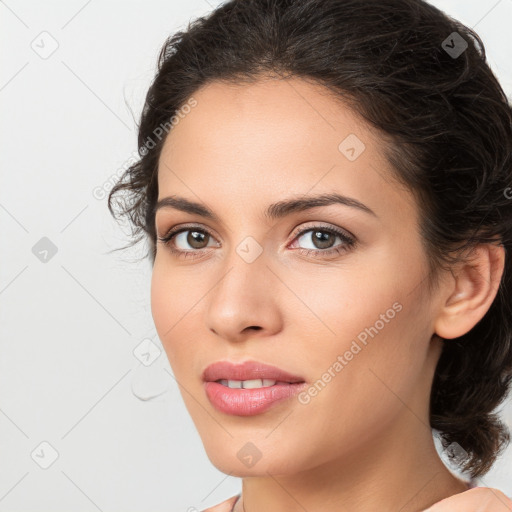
x,y
274,211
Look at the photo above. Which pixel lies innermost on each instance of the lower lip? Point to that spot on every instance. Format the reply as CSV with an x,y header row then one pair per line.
x,y
249,402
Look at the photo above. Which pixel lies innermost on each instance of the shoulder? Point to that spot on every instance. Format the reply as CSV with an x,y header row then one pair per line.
x,y
225,506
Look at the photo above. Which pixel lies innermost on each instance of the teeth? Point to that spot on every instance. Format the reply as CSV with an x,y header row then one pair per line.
x,y
248,384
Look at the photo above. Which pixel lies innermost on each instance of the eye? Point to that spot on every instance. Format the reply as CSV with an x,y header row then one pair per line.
x,y
192,235
322,240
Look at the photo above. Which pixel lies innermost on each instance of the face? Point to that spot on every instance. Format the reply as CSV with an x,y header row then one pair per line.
x,y
333,294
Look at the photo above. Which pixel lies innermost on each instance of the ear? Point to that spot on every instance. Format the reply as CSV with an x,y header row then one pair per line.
x,y
472,290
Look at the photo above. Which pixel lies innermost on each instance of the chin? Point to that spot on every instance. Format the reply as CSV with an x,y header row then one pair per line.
x,y
244,460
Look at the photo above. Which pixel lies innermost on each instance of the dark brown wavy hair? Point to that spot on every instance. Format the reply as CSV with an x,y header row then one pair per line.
x,y
448,127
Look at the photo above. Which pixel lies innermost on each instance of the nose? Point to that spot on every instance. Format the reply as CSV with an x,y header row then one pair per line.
x,y
244,301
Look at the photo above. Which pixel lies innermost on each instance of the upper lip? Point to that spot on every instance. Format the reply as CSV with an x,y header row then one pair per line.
x,y
247,370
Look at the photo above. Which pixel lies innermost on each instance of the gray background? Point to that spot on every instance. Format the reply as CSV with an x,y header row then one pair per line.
x,y
71,321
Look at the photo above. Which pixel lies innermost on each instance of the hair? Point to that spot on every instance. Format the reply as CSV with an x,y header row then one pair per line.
x,y
447,124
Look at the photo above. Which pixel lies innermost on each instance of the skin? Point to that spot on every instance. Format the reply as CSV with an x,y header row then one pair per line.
x,y
364,441
480,499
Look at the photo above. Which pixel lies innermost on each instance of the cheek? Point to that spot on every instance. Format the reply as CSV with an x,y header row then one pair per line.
x,y
176,307
376,298
337,306
366,342
161,306
353,400
169,297
166,308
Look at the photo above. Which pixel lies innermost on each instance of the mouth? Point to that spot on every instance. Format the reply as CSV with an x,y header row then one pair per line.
x,y
249,388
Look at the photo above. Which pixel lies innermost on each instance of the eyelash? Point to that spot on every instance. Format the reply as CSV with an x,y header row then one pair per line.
x,y
348,242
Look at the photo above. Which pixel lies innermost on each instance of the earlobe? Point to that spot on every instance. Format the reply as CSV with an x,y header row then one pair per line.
x,y
474,286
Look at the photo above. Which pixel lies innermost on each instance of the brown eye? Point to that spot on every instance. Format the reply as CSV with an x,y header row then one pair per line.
x,y
187,241
324,238
322,241
194,238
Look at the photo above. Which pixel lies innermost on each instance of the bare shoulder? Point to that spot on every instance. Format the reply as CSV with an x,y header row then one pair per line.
x,y
225,506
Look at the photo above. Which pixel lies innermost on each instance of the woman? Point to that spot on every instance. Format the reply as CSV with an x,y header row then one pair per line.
x,y
323,186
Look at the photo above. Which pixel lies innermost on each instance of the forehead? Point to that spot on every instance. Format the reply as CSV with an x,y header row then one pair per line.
x,y
275,112
252,144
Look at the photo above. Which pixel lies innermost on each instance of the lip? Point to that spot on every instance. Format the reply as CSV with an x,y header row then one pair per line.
x,y
248,402
247,370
